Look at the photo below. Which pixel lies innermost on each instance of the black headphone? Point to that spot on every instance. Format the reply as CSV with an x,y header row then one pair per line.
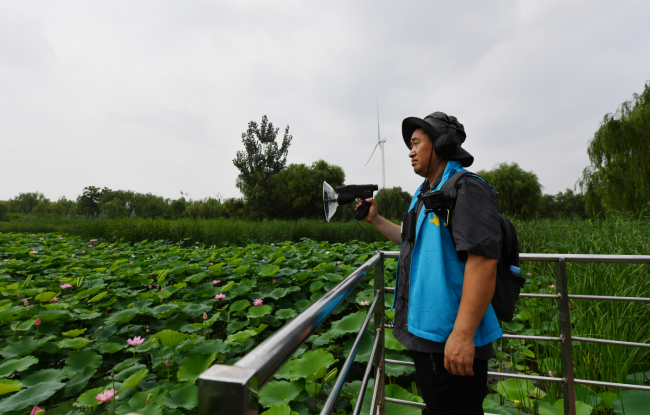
x,y
447,143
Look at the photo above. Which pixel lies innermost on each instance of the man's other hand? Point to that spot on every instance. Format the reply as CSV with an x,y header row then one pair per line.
x,y
459,355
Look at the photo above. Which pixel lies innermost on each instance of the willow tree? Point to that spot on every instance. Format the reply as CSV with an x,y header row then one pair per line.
x,y
519,191
619,176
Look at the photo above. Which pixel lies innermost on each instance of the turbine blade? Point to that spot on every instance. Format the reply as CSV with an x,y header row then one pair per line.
x,y
378,132
373,152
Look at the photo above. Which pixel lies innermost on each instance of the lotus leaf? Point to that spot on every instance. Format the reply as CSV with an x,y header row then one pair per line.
x,y
78,381
278,293
123,317
216,267
259,311
135,379
280,410
515,389
8,386
557,408
186,396
631,402
166,310
98,297
315,286
286,313
239,305
41,376
45,297
30,396
269,271
363,353
87,399
74,333
608,398
235,326
212,346
227,287
241,270
47,316
81,360
7,367
492,407
391,342
349,324
110,347
196,364
22,348
139,399
279,393
398,370
302,305
104,332
170,338
76,343
240,337
395,392
312,365
196,309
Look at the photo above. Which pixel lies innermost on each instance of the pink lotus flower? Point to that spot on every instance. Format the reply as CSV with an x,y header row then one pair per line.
x,y
220,296
210,263
93,240
263,260
33,252
364,302
258,302
115,237
26,302
106,396
90,246
5,260
273,280
216,281
83,252
529,274
54,300
550,373
73,254
552,286
168,362
149,286
162,289
196,247
339,262
60,238
205,316
569,305
37,322
136,341
197,243
35,409
17,294
41,239
272,244
64,286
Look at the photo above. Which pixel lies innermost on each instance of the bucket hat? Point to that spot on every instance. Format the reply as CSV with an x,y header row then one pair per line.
x,y
435,125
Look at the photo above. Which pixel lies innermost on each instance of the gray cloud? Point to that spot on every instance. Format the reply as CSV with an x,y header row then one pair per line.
x,y
154,96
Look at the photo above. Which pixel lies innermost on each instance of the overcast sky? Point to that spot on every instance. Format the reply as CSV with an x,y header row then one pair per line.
x,y
153,96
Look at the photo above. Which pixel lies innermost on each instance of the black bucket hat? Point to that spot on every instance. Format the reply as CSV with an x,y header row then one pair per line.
x,y
435,125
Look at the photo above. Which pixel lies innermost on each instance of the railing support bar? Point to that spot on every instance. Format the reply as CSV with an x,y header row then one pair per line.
x,y
376,391
366,375
408,403
328,406
564,317
379,358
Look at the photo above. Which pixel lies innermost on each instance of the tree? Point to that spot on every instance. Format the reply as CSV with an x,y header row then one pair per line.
x,y
519,191
177,208
122,203
63,207
4,209
393,202
564,205
25,202
258,163
88,202
233,208
150,206
298,190
619,176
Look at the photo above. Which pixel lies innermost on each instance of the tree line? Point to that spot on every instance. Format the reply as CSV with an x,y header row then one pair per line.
x,y
618,179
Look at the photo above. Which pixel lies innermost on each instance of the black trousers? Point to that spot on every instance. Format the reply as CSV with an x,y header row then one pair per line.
x,y
446,394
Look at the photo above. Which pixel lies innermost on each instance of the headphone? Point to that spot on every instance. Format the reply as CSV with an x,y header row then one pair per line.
x,y
447,143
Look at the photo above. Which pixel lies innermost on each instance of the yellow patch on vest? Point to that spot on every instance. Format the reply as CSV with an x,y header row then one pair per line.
x,y
435,220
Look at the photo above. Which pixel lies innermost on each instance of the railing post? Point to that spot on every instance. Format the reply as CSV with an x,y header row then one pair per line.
x,y
379,324
564,320
227,390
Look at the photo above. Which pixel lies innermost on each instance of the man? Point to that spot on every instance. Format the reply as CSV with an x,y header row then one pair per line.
x,y
444,287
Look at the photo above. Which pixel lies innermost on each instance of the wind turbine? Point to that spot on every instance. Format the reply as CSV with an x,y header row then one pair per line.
x,y
380,144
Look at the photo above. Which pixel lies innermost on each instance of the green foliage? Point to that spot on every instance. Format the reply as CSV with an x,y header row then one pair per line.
x,y
519,191
4,209
89,201
564,205
619,176
261,159
298,189
393,202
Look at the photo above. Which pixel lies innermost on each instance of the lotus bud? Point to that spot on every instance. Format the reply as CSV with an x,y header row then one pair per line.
x,y
17,294
149,397
37,322
205,316
112,374
168,362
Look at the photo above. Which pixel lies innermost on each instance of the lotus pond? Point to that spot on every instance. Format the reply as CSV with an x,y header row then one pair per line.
x,y
107,326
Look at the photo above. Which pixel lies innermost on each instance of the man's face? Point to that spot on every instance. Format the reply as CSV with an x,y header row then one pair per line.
x,y
421,153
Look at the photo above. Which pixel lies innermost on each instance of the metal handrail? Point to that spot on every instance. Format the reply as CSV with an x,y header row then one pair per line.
x,y
230,389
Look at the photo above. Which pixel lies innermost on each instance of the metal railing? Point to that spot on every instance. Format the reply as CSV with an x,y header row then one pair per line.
x,y
229,390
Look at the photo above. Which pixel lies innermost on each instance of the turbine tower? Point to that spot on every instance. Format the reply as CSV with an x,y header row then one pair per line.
x,y
380,144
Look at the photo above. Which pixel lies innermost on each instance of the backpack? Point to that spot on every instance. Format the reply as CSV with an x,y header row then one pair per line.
x,y
508,281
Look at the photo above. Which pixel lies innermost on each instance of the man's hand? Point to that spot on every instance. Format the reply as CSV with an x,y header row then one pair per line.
x,y
459,355
373,213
